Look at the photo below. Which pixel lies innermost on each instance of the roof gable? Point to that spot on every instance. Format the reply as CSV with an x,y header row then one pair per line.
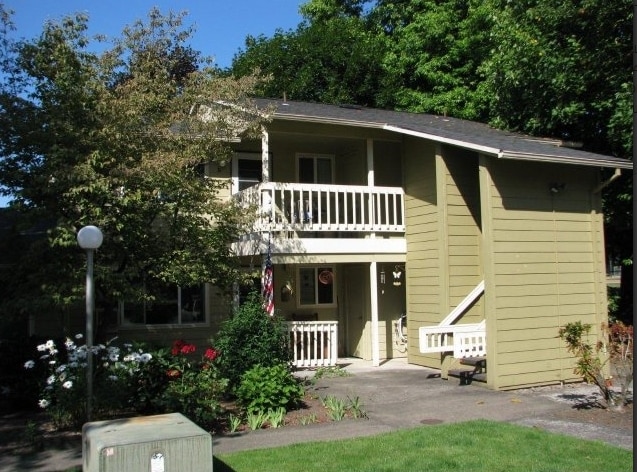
x,y
467,134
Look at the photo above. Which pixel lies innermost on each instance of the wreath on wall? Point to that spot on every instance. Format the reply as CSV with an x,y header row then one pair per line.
x,y
326,277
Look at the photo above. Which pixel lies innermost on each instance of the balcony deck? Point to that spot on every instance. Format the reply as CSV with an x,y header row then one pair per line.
x,y
294,218
298,208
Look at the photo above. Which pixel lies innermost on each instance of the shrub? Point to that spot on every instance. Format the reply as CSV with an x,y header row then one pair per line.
x,y
248,338
616,346
193,388
63,395
268,388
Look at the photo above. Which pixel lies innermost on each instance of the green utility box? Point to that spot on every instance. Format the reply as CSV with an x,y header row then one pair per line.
x,y
160,443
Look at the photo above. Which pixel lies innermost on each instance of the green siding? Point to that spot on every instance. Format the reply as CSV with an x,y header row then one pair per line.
x,y
545,252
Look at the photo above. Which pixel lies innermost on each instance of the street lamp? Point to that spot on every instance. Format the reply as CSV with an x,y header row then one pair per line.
x,y
89,238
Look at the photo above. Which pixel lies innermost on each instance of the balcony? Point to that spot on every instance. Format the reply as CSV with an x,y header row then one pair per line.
x,y
294,208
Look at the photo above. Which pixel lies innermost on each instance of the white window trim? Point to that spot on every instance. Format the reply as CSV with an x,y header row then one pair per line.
x,y
254,156
316,269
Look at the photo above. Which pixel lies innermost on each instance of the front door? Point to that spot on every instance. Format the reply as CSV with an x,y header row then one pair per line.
x,y
357,311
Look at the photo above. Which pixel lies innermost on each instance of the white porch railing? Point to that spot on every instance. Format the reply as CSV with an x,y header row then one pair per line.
x,y
318,207
313,343
464,340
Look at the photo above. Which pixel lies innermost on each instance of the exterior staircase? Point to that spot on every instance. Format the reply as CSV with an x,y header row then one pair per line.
x,y
470,369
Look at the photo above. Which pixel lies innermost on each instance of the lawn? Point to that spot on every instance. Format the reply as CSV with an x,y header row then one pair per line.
x,y
472,446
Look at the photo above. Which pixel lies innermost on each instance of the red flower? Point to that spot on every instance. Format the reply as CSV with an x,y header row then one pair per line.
x,y
211,354
188,348
181,347
177,345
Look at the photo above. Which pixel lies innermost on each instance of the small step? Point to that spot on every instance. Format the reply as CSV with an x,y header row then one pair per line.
x,y
476,369
475,361
467,376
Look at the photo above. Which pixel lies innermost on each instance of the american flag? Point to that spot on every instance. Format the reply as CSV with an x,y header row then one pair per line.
x,y
268,288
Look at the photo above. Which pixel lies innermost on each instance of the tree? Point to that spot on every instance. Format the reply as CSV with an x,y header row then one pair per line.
x,y
331,57
119,140
433,53
559,67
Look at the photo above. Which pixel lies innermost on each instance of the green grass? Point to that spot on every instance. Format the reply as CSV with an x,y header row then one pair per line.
x,y
472,446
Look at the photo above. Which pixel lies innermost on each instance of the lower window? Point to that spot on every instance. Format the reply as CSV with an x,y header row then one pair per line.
x,y
316,286
170,305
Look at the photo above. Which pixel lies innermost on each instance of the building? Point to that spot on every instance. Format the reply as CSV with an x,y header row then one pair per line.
x,y
489,241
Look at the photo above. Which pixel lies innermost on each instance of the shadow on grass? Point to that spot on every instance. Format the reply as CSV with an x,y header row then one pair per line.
x,y
219,466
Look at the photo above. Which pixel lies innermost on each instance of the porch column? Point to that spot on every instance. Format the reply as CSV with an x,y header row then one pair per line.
x,y
370,162
373,290
370,182
265,156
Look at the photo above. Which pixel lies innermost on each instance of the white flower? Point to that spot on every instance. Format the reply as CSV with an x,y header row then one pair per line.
x,y
50,344
43,403
113,377
50,379
61,368
67,384
145,357
52,361
41,347
69,344
113,357
29,365
73,364
79,336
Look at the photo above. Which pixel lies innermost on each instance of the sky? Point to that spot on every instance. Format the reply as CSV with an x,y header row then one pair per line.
x,y
221,26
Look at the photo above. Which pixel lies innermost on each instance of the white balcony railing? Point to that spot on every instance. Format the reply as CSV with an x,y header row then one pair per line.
x,y
316,207
314,343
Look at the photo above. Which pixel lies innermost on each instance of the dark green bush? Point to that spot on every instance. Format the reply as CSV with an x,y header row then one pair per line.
x,y
268,388
249,338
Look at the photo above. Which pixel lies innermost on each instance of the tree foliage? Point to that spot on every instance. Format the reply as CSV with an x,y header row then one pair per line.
x,y
331,58
561,69
118,140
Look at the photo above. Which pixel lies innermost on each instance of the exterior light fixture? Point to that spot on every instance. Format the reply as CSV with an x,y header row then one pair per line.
x,y
556,187
89,238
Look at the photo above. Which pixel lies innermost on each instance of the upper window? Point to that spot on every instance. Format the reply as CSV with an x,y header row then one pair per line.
x,y
316,286
171,305
315,168
247,170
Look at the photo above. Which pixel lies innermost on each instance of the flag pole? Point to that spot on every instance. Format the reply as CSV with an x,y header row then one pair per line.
x,y
268,283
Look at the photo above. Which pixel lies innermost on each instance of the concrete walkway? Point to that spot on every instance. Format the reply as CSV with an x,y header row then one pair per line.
x,y
398,395
395,396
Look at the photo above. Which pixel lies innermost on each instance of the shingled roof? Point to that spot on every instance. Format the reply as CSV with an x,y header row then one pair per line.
x,y
462,133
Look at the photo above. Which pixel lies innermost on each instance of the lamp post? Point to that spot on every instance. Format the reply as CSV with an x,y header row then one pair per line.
x,y
89,238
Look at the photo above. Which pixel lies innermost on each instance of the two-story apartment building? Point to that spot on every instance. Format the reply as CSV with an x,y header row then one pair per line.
x,y
488,241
